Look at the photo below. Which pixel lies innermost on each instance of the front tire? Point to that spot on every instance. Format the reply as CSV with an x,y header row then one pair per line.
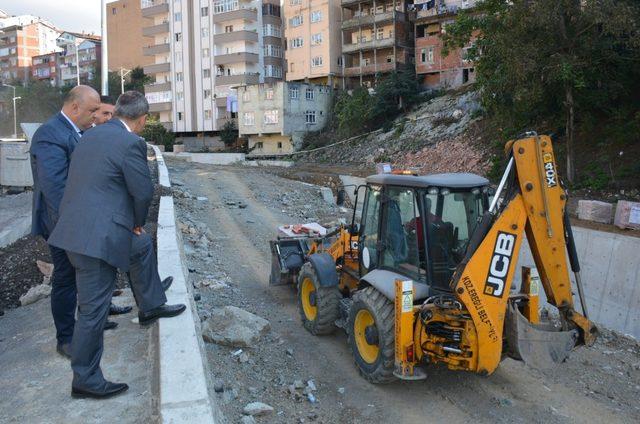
x,y
319,306
371,335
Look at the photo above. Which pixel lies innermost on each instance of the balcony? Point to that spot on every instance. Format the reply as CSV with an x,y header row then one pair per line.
x,y
157,49
350,2
157,68
150,31
370,19
248,14
242,79
243,35
356,71
369,45
246,57
160,107
157,87
153,8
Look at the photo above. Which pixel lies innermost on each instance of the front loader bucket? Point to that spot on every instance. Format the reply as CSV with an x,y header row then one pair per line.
x,y
287,257
538,345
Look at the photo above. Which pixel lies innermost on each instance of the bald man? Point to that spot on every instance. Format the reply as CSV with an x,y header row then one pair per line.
x,y
51,149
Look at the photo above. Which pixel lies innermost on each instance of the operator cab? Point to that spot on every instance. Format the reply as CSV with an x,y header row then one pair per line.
x,y
420,226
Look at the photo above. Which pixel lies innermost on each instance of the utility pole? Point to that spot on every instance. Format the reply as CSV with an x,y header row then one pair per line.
x,y
122,75
105,50
15,120
75,43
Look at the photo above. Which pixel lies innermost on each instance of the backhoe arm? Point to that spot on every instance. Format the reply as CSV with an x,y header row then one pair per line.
x,y
533,204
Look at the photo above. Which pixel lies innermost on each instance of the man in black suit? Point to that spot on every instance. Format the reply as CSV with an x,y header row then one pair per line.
x,y
105,205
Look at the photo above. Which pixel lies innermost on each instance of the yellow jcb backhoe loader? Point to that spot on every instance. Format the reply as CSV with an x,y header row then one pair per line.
x,y
426,277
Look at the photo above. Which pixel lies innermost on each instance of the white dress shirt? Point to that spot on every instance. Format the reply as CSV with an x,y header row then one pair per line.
x,y
75,127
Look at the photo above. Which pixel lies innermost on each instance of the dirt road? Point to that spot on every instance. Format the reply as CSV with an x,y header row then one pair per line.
x,y
226,239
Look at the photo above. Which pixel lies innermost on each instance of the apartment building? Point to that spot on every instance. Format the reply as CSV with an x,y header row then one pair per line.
x,y
275,117
81,51
21,38
124,35
202,50
313,41
46,67
157,32
434,70
377,39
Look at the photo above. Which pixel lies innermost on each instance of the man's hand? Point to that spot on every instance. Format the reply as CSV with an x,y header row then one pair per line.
x,y
138,231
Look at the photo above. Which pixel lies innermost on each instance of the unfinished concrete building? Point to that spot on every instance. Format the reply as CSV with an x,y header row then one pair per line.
x,y
377,39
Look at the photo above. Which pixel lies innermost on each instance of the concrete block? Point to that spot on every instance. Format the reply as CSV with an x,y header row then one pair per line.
x,y
217,158
327,195
15,165
594,210
178,148
627,215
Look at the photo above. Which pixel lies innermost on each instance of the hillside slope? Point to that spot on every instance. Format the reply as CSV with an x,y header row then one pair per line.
x,y
441,135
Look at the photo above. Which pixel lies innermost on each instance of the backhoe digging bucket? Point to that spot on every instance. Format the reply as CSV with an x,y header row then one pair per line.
x,y
287,257
539,346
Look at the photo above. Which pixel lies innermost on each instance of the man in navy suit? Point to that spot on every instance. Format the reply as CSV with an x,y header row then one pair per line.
x,y
51,149
105,205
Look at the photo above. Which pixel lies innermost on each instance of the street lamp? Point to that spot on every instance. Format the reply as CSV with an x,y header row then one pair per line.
x,y
76,43
15,129
15,121
122,75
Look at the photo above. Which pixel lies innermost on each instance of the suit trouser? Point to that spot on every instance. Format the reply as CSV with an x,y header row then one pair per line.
x,y
63,295
96,281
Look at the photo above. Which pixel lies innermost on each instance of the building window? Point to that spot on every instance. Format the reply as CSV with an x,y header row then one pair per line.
x,y
178,57
249,118
279,144
272,50
222,6
316,16
178,37
291,67
207,114
206,73
179,116
295,2
204,11
296,21
294,93
206,52
380,34
310,117
430,52
114,10
228,28
268,94
316,39
207,94
271,30
309,94
259,145
271,117
177,16
295,43
316,61
273,71
204,32
179,76
246,97
179,95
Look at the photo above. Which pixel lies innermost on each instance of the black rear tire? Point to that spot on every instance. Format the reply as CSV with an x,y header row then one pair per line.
x,y
371,304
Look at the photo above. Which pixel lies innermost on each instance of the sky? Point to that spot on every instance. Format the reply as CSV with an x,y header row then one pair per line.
x,y
70,15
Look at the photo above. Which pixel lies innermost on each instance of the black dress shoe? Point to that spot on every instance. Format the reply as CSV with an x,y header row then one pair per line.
x,y
166,283
110,389
164,311
119,310
110,325
64,349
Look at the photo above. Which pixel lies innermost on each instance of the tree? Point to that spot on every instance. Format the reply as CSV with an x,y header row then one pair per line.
x,y
354,112
155,132
555,64
229,133
396,94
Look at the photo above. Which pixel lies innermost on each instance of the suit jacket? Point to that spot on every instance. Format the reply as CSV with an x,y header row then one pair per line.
x,y
51,149
108,193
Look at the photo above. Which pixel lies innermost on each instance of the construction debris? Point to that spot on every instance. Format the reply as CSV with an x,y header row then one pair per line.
x,y
627,215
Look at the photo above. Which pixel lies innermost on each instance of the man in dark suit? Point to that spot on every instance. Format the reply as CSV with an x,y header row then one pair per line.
x,y
105,205
51,149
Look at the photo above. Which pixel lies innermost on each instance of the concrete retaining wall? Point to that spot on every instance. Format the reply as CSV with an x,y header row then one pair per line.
x,y
184,375
15,217
610,270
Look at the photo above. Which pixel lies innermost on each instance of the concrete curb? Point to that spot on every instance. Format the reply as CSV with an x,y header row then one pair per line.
x,y
184,394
